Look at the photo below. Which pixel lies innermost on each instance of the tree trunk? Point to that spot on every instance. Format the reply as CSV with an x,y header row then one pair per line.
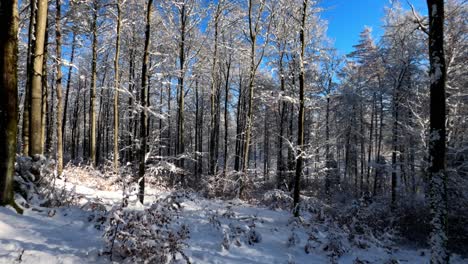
x,y
75,130
131,107
214,68
226,112
58,54
116,91
253,31
144,101
65,108
181,93
379,144
197,131
327,139
369,150
239,128
282,111
300,122
92,111
8,99
46,138
29,76
437,137
36,84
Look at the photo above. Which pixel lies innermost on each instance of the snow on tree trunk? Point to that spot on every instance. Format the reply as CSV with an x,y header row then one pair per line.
x,y
437,148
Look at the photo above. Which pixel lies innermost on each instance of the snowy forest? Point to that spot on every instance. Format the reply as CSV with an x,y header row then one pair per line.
x,y
231,131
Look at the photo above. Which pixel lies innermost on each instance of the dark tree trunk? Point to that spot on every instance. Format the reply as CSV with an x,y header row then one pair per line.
x,y
437,137
67,91
300,122
144,100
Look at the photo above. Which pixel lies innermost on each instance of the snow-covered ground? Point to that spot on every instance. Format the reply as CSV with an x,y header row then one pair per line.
x,y
249,234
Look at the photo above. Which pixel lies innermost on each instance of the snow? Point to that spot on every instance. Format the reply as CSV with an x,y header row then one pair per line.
x,y
67,237
220,232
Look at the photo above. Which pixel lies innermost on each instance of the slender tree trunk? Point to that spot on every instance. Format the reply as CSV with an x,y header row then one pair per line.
x,y
144,101
214,68
369,150
8,99
116,91
169,123
74,121
180,123
327,139
437,138
46,138
379,144
131,107
197,131
280,159
85,144
362,155
36,84
58,54
92,111
394,146
200,134
239,128
101,121
266,146
253,30
67,92
29,76
160,136
300,122
226,117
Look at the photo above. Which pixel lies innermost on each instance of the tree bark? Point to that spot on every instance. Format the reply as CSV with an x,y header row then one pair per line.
x,y
92,111
116,90
65,107
300,122
29,77
58,54
226,112
36,84
181,93
144,102
46,138
8,99
437,136
213,101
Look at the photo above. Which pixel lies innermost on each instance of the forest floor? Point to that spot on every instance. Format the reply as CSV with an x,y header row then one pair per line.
x,y
258,234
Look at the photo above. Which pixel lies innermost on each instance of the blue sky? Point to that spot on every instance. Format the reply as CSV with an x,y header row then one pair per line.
x,y
347,18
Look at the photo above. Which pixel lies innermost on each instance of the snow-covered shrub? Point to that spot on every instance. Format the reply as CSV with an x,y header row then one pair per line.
x,y
334,246
222,185
36,183
372,219
237,233
277,199
104,179
149,236
293,239
457,187
163,174
312,243
253,236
